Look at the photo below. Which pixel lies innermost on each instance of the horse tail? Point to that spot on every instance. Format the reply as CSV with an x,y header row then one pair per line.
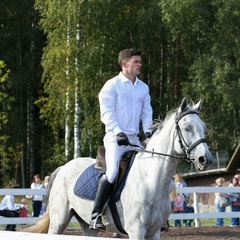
x,y
41,226
172,190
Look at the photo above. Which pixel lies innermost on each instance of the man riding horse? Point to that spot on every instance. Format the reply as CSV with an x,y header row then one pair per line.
x,y
124,103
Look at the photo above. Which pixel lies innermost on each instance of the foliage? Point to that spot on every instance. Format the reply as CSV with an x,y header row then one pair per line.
x,y
7,154
189,48
213,64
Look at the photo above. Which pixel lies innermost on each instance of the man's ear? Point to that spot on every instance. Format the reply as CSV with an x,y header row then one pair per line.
x,y
124,63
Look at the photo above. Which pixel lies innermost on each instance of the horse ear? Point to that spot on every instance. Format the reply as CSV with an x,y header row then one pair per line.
x,y
198,106
183,105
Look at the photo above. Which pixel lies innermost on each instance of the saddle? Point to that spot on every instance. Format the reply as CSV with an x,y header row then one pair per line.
x,y
123,163
87,183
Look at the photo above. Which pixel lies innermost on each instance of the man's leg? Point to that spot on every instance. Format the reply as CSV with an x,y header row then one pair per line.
x,y
100,200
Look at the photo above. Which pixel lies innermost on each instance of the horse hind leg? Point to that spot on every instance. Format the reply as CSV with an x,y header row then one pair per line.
x,y
59,221
85,227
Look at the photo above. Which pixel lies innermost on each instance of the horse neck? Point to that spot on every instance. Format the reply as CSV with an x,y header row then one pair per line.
x,y
163,141
161,168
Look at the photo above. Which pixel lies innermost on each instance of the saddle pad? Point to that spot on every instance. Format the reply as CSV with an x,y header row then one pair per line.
x,y
87,183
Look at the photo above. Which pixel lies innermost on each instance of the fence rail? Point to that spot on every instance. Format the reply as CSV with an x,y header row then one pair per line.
x,y
193,190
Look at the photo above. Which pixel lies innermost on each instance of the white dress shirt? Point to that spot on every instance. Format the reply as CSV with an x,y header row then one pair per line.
x,y
37,186
123,104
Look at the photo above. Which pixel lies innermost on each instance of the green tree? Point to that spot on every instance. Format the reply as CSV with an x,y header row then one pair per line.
x,y
8,162
21,44
209,36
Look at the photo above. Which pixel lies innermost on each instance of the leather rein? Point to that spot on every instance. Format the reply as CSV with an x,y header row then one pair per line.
x,y
184,146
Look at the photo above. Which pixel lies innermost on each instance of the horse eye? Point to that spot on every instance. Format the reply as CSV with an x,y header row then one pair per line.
x,y
186,130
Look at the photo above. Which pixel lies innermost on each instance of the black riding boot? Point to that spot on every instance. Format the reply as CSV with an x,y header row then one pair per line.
x,y
100,200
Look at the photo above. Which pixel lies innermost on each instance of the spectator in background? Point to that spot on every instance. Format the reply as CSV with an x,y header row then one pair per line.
x,y
9,209
179,203
37,199
238,199
189,209
23,212
44,203
220,198
46,181
234,204
238,177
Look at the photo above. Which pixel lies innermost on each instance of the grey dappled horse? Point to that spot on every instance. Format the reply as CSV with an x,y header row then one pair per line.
x,y
144,205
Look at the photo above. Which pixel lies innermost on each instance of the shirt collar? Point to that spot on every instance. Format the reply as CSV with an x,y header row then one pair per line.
x,y
125,79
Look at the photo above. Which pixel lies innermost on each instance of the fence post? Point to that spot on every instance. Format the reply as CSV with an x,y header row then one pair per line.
x,y
196,209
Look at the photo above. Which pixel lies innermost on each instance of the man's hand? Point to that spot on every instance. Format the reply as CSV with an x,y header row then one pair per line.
x,y
148,134
122,139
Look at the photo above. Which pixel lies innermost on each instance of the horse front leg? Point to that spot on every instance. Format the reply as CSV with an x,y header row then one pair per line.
x,y
141,234
135,228
156,236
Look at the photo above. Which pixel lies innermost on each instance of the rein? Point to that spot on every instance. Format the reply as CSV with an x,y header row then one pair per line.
x,y
141,149
184,146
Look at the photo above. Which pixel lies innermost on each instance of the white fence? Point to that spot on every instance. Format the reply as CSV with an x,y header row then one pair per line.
x,y
190,190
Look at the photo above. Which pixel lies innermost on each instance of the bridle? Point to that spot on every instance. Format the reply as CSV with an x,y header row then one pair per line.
x,y
184,146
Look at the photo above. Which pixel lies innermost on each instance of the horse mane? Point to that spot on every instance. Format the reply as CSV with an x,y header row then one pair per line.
x,y
158,124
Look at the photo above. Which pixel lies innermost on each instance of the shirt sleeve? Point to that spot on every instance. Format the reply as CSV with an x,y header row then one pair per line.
x,y
147,112
10,203
107,98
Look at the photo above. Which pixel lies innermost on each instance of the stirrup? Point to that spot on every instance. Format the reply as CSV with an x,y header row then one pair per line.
x,y
96,223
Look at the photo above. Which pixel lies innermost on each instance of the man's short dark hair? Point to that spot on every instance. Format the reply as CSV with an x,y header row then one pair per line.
x,y
126,54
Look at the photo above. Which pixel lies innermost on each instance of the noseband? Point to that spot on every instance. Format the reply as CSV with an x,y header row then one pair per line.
x,y
184,146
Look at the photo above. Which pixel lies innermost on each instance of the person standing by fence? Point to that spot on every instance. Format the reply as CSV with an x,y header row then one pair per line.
x,y
189,209
234,204
220,201
238,199
179,203
44,202
37,199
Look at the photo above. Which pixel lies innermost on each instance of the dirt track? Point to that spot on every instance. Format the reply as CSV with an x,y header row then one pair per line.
x,y
201,233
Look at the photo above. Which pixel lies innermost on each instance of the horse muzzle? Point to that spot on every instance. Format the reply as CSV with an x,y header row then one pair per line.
x,y
202,162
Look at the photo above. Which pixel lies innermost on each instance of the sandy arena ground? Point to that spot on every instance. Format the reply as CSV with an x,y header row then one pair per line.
x,y
200,233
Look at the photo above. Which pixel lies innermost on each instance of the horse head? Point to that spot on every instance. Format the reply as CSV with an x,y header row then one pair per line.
x,y
191,135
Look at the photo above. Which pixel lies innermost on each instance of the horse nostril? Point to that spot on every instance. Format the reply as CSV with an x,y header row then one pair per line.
x,y
202,160
205,160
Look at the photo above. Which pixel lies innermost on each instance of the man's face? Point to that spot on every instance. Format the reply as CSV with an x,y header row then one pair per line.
x,y
133,65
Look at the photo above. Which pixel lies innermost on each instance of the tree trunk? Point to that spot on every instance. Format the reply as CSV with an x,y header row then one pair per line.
x,y
77,105
67,129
